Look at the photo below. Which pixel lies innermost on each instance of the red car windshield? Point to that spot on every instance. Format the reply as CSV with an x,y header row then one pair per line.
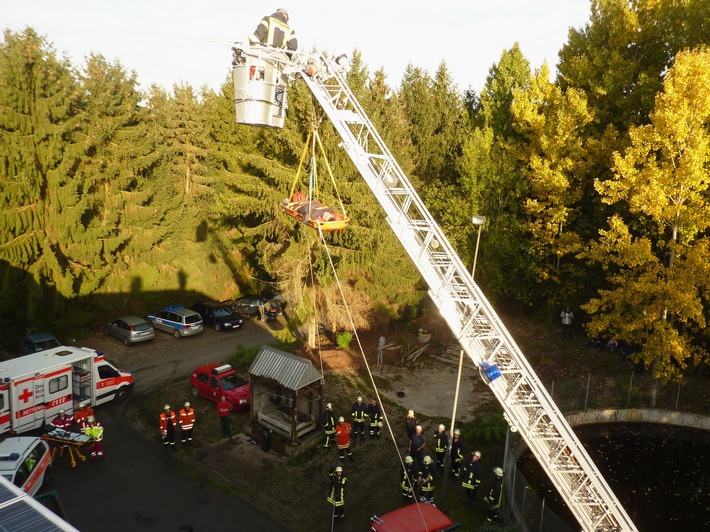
x,y
233,381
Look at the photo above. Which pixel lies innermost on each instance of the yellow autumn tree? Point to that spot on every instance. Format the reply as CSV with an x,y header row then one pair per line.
x,y
656,251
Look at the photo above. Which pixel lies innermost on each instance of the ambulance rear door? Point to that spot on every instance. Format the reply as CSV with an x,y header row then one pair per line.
x,y
28,402
4,407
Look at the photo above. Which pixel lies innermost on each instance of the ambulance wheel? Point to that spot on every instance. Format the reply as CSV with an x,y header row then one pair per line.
x,y
121,395
176,333
195,392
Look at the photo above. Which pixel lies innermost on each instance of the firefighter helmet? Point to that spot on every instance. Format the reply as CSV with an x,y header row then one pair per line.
x,y
90,419
497,471
329,406
359,398
338,469
477,453
457,432
166,407
187,404
341,419
380,424
427,460
408,459
442,427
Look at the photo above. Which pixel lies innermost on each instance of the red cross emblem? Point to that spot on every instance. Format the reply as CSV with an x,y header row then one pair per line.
x,y
25,395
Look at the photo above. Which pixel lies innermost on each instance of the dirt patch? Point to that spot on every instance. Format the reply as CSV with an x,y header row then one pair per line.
x,y
424,382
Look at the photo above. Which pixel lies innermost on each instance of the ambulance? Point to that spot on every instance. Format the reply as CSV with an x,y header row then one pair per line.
x,y
34,388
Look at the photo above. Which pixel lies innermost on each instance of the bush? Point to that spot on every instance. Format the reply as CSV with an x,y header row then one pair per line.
x,y
343,340
244,356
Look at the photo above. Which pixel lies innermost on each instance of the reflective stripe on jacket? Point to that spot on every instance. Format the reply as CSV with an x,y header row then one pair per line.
x,y
187,418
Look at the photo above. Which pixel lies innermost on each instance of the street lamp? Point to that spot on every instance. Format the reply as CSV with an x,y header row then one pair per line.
x,y
479,221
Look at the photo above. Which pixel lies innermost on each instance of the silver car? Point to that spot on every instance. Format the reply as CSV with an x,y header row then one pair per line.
x,y
130,329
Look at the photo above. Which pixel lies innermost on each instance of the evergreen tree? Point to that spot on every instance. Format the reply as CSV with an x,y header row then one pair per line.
x,y
44,210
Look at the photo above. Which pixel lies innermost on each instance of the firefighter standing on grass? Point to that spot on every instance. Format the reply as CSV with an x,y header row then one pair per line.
x,y
187,422
495,496
342,434
471,477
359,413
328,425
426,480
409,480
456,454
442,442
374,414
336,495
168,424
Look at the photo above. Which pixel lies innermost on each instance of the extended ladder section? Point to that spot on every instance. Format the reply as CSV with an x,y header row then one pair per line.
x,y
473,321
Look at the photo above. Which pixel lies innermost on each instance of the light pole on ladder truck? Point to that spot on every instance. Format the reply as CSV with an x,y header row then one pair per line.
x,y
479,221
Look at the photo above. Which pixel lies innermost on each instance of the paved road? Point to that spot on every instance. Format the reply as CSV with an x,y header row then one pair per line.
x,y
138,486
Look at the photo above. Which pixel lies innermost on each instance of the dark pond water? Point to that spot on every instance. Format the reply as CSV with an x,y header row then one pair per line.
x,y
660,473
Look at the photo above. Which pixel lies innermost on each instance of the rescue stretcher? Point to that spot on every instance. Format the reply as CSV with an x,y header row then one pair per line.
x,y
63,439
316,215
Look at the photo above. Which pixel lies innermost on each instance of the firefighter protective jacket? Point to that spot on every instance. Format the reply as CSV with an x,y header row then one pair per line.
x,y
164,418
187,418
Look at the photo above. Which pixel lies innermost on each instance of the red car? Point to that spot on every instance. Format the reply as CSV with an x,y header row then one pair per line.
x,y
418,517
214,380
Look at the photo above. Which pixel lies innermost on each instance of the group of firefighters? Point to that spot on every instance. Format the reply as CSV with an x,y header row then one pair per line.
x,y
367,420
169,423
419,470
86,423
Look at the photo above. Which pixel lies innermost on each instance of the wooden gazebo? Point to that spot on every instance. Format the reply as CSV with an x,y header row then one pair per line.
x,y
286,396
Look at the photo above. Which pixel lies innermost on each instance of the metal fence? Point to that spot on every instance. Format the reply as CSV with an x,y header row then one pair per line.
x,y
630,390
526,505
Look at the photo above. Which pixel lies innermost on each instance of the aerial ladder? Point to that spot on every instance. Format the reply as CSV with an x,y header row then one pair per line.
x,y
460,301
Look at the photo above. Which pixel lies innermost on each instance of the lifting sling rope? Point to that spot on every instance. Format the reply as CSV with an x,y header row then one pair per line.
x,y
307,208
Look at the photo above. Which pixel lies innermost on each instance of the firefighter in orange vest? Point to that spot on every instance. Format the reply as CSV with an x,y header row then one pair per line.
x,y
82,414
187,421
168,424
342,434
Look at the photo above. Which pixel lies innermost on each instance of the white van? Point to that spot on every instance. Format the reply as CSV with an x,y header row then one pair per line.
x,y
25,461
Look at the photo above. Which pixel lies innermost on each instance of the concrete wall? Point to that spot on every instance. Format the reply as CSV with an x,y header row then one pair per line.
x,y
639,415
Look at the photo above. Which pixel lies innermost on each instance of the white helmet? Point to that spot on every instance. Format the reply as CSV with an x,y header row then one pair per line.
x,y
477,453
497,471
90,419
427,460
338,469
380,424
359,398
408,459
457,432
442,427
341,419
329,406
166,407
61,411
187,404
